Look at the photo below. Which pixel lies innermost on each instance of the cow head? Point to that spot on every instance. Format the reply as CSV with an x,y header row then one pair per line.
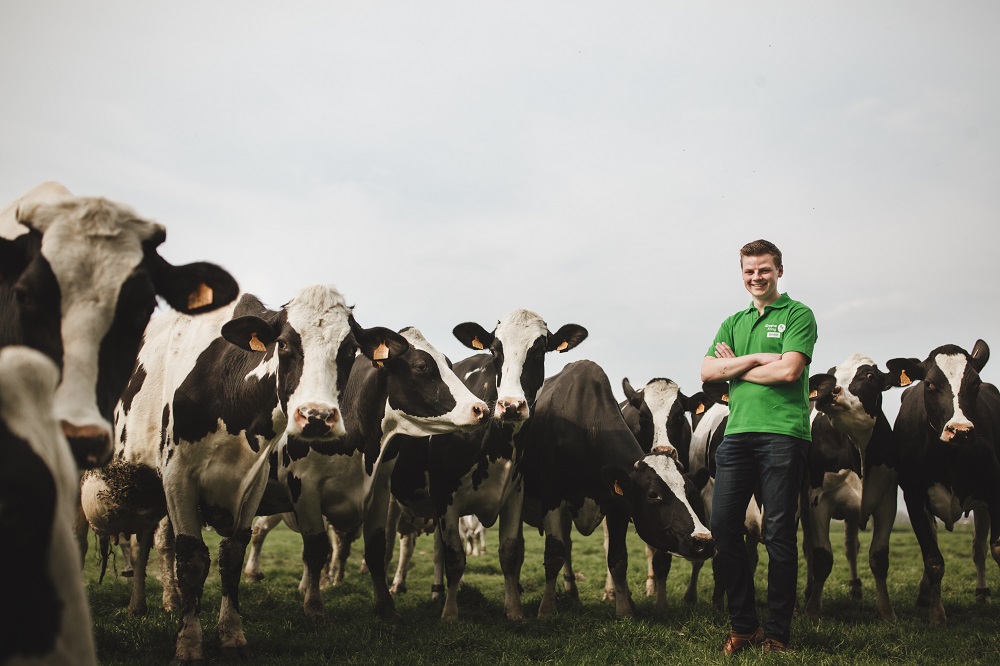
x,y
851,394
518,345
85,276
664,504
309,347
425,396
950,387
710,395
655,414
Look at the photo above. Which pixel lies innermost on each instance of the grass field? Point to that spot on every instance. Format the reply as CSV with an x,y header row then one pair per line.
x,y
585,633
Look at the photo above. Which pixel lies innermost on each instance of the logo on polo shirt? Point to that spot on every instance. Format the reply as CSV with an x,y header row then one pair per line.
x,y
775,330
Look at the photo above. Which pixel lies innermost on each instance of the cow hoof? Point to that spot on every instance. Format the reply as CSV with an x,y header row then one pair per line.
x,y
139,610
188,662
397,589
854,589
983,595
609,595
254,577
128,573
691,598
236,653
390,615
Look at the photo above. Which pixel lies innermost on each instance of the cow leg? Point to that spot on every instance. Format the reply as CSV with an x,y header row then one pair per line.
x,y
391,529
851,546
820,556
342,542
192,570
609,586
511,552
555,558
979,538
453,560
925,530
617,522
437,585
137,604
261,528
129,549
660,563
407,542
569,576
691,593
878,499
375,543
81,528
650,576
232,550
163,541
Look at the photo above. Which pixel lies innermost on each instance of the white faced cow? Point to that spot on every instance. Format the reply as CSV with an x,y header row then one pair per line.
x,y
947,435
209,399
47,619
459,474
850,396
80,277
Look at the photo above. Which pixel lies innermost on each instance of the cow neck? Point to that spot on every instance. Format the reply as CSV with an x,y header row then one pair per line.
x,y
367,410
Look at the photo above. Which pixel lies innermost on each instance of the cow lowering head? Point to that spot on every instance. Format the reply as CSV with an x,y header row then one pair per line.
x,y
85,275
655,414
519,344
851,394
425,396
308,346
950,387
664,504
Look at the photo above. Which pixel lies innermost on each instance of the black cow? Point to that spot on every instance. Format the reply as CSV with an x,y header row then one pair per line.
x,y
79,279
947,431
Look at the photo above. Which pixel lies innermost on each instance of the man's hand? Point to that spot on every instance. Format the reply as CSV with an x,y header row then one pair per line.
x,y
726,364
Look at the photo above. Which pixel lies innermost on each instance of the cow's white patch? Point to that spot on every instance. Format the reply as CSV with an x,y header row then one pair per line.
x,y
701,438
660,396
666,468
517,332
944,504
849,415
953,367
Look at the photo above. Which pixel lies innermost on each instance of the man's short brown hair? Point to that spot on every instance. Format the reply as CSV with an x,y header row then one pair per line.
x,y
758,247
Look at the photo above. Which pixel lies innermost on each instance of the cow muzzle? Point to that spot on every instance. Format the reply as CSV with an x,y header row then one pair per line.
x,y
91,444
317,421
703,546
958,433
511,410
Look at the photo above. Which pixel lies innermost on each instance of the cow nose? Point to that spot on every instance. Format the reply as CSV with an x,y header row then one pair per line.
x,y
704,544
836,390
959,432
511,409
480,412
91,444
316,420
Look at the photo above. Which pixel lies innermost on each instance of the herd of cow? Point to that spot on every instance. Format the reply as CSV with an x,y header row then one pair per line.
x,y
221,410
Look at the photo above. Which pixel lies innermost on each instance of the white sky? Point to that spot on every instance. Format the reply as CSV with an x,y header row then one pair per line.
x,y
597,162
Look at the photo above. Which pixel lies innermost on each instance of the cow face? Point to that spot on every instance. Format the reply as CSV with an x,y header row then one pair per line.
x,y
851,394
664,505
309,347
425,396
659,414
518,345
950,387
85,277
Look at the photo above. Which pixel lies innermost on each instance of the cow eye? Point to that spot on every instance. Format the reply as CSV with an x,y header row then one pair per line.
x,y
930,386
870,376
282,345
653,496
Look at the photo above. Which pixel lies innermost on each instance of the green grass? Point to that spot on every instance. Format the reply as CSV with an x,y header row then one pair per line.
x,y
585,633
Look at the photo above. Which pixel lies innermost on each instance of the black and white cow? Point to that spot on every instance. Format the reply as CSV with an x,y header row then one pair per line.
x,y
656,416
414,394
709,416
47,618
851,397
79,279
449,476
947,433
210,398
582,461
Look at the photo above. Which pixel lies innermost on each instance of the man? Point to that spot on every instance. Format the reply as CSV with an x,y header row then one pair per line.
x,y
764,354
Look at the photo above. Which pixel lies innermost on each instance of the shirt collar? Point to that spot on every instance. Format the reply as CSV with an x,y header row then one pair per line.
x,y
782,302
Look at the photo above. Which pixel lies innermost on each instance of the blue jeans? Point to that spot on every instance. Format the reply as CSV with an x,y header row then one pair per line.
x,y
771,466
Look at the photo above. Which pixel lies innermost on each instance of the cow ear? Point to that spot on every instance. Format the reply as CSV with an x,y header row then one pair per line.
x,y
696,404
631,394
821,385
717,391
379,343
250,333
473,336
904,371
618,481
980,355
194,288
567,337
16,253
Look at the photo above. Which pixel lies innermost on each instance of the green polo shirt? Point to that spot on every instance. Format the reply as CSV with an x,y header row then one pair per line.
x,y
785,326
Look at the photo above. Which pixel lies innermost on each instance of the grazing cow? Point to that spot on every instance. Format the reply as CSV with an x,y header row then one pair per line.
x,y
413,394
709,415
947,436
851,397
208,401
449,476
656,416
581,460
48,617
80,277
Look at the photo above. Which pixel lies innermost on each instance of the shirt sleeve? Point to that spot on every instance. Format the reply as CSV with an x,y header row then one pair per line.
x,y
801,333
725,334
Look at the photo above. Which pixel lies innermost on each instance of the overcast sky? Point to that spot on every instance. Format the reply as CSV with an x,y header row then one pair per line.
x,y
597,162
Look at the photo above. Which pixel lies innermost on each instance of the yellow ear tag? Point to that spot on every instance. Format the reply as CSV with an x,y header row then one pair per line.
x,y
813,395
476,344
725,398
562,346
903,379
700,409
200,297
381,352
255,343
618,490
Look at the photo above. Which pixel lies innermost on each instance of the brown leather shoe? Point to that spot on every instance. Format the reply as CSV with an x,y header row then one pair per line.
x,y
774,645
736,643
